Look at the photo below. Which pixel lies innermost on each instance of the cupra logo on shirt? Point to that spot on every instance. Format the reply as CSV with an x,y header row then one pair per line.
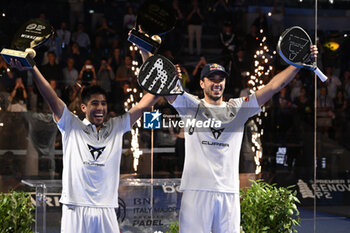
x,y
216,132
96,151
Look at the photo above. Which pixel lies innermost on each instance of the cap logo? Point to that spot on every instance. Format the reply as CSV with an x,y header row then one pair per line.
x,y
216,67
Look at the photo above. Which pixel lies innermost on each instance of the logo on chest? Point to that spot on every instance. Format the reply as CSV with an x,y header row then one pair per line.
x,y
216,132
95,151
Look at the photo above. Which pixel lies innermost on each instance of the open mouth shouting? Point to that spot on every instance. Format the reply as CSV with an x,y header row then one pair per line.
x,y
98,117
217,89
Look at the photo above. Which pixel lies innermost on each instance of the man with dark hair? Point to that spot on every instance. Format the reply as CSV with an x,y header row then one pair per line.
x,y
91,156
89,91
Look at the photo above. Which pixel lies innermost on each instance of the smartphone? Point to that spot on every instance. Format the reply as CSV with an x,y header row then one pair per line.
x,y
88,67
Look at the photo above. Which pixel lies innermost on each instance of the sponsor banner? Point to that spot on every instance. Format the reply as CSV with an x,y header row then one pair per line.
x,y
142,208
149,209
326,191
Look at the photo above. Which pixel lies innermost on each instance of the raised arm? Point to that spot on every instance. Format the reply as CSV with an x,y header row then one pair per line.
x,y
147,101
55,103
279,81
145,55
276,84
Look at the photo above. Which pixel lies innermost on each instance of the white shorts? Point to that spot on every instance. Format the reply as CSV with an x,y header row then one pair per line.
x,y
80,219
205,212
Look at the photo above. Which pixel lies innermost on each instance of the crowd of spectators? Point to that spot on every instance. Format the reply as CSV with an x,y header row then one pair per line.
x,y
90,47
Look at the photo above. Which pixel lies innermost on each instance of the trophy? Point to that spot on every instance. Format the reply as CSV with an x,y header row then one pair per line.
x,y
31,35
153,19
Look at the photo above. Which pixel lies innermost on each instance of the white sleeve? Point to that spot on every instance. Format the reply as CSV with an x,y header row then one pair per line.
x,y
123,122
248,106
186,103
65,123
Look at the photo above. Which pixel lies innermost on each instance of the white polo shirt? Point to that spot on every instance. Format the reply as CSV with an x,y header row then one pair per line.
x,y
91,160
212,153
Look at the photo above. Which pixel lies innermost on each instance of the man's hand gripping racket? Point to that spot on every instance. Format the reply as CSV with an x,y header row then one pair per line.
x,y
160,77
294,47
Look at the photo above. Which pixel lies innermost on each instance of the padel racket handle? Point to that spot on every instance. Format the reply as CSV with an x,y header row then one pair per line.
x,y
321,76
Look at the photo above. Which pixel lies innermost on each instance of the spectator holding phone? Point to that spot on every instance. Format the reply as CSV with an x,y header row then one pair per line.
x,y
87,73
18,97
105,75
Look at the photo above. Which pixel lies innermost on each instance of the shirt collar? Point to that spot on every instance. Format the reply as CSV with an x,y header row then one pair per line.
x,y
223,104
87,123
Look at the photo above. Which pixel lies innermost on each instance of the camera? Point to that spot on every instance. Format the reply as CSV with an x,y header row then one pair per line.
x,y
87,77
